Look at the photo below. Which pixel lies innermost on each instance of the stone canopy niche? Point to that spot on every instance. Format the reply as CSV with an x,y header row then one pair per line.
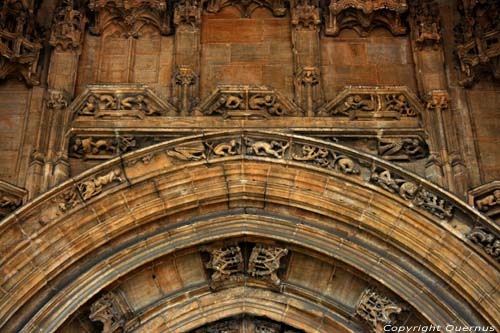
x,y
246,325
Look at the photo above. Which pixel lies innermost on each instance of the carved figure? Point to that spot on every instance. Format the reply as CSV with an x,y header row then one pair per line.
x,y
377,310
264,262
487,241
89,146
91,105
226,148
188,152
384,179
67,28
56,100
263,148
67,200
489,201
108,102
259,102
9,202
94,186
434,204
399,103
355,102
400,149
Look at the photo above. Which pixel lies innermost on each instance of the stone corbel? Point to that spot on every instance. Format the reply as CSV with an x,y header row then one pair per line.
x,y
11,198
486,198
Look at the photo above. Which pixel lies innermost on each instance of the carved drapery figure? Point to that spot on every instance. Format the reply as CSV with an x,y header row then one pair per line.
x,y
364,16
20,43
68,28
377,310
478,40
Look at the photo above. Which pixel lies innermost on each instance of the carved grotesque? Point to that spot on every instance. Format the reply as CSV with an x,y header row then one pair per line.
x,y
262,148
487,241
403,149
489,201
94,186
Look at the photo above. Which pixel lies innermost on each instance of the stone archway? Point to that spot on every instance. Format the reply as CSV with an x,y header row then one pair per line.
x,y
382,224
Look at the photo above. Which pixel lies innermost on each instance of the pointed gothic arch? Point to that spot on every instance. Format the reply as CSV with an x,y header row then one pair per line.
x,y
385,224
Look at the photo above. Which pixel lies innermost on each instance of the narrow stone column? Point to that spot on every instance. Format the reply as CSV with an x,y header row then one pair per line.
x,y
306,21
187,20
445,165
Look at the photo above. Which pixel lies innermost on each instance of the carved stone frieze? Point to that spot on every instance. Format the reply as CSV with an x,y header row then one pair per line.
x,y
426,23
377,310
363,16
68,28
120,101
192,151
112,311
264,262
401,149
373,103
101,147
325,158
305,14
229,265
247,102
487,241
246,7
478,40
11,198
410,191
20,43
130,16
266,148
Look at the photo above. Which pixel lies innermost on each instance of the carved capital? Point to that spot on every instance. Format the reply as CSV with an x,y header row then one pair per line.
x,y
185,76
68,28
305,14
437,100
56,100
308,76
377,310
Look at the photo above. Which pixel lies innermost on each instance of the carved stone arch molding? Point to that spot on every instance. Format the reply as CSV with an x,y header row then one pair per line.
x,y
404,235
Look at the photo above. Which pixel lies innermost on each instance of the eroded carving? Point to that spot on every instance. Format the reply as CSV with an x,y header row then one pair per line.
x,y
487,241
185,88
226,263
377,310
94,186
192,151
56,100
246,7
68,28
272,148
426,23
401,149
369,103
223,149
325,158
11,198
478,40
489,201
365,15
188,13
305,14
101,148
20,43
246,102
264,262
108,311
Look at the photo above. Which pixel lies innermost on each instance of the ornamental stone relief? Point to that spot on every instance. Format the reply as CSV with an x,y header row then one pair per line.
x,y
247,324
378,310
11,198
246,7
68,28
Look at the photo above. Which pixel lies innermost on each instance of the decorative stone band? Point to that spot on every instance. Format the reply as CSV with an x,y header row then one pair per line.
x,y
337,160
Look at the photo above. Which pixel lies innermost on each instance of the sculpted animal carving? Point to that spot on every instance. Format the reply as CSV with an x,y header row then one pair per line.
x,y
226,148
263,148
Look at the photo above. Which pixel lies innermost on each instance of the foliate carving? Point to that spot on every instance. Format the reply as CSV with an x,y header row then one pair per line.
x,y
486,240
305,14
67,200
229,265
246,7
410,191
401,149
100,148
68,28
131,16
426,23
364,16
325,158
57,100
377,310
110,310
94,186
20,44
226,263
252,102
272,148
120,101
370,103
264,262
478,40
188,13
